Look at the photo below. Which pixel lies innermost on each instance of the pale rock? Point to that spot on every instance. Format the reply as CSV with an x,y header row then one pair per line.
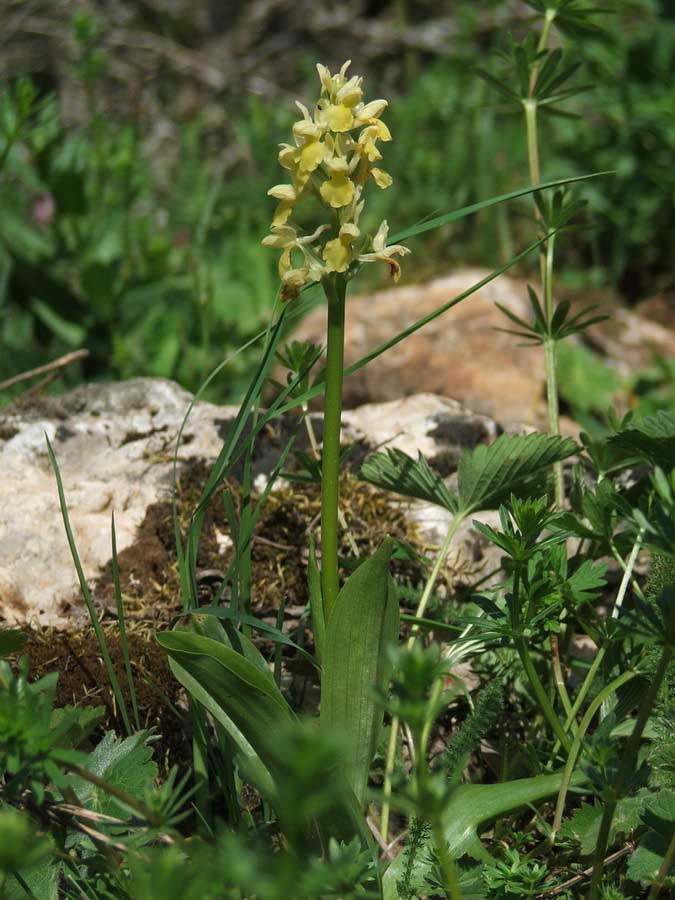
x,y
114,444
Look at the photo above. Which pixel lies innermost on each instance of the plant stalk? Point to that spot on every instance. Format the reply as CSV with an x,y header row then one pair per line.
x,y
576,745
626,766
664,869
421,607
330,463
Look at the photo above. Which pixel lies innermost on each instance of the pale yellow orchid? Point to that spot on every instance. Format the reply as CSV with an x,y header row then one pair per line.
x,y
287,195
338,191
383,253
338,251
286,238
336,149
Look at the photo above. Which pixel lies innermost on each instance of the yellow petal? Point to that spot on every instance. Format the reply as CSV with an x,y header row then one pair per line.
x,y
310,156
339,117
282,213
372,110
337,255
282,192
287,156
338,191
382,179
350,93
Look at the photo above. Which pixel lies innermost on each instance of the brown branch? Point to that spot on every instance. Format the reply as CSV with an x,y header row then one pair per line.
x,y
56,364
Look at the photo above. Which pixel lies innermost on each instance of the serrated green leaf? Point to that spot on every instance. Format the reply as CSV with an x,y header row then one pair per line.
x,y
645,863
364,621
126,764
488,474
651,438
398,472
43,881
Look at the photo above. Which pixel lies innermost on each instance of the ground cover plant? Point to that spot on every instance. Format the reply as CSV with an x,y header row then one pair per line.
x,y
394,777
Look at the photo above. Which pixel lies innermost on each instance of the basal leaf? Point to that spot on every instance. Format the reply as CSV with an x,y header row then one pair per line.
x,y
231,683
364,621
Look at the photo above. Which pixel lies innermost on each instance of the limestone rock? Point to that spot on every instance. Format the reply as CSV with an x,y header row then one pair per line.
x,y
114,445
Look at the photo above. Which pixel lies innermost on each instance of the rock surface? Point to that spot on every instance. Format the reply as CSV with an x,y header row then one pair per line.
x,y
114,445
464,355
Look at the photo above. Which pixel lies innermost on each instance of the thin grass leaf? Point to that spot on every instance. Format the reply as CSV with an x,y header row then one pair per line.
x,y
91,609
499,86
124,643
446,218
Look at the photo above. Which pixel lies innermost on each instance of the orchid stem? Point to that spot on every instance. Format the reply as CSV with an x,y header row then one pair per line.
x,y
330,461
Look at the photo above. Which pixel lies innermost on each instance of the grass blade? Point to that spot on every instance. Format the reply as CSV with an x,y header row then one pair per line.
x,y
91,609
124,643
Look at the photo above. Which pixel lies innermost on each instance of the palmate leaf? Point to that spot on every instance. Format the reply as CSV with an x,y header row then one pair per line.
x,y
126,764
651,438
395,471
488,474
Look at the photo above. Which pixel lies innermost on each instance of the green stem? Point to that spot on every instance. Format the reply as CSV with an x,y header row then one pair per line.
x,y
421,607
626,767
559,678
541,695
330,464
576,745
448,867
528,665
664,869
530,107
551,363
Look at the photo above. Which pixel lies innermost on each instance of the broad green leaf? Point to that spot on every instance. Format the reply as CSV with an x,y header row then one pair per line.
x,y
364,621
11,641
398,472
471,807
488,474
233,684
316,603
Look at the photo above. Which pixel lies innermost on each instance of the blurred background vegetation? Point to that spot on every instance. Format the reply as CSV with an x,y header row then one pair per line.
x,y
138,140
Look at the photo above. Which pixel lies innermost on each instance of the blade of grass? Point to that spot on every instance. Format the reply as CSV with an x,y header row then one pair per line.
x,y
91,609
124,643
